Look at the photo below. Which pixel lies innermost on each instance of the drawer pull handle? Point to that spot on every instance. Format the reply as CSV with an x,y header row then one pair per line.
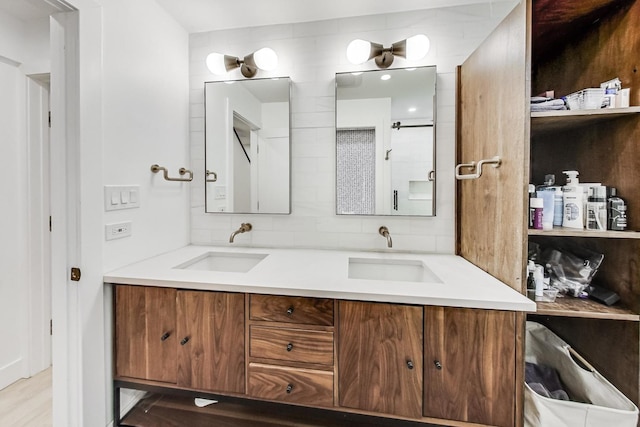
x,y
184,340
165,336
289,388
289,347
438,364
409,364
290,311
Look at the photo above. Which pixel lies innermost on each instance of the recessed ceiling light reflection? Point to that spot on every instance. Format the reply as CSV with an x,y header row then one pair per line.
x,y
385,77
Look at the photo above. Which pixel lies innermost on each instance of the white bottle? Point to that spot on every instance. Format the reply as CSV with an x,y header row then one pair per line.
x,y
573,210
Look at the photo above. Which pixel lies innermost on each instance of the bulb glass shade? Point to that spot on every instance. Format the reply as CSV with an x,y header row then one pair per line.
x,y
417,47
359,51
266,59
216,63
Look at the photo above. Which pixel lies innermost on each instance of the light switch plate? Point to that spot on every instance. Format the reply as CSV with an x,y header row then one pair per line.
x,y
117,197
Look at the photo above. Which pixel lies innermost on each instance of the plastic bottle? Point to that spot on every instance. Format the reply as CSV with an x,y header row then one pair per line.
x,y
538,277
573,212
597,208
536,210
616,212
558,206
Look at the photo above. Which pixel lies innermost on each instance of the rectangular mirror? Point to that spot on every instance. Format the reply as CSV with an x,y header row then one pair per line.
x,y
385,142
247,146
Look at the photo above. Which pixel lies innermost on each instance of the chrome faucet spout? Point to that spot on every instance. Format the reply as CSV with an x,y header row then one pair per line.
x,y
244,227
384,232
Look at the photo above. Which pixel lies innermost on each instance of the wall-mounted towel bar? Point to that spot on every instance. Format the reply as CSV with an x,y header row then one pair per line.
x,y
181,171
477,167
215,176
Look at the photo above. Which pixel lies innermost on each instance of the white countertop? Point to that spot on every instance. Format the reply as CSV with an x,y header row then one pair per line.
x,y
324,273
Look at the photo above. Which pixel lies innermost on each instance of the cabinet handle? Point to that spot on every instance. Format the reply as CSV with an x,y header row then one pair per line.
x,y
409,364
290,311
165,336
289,347
289,388
184,340
438,364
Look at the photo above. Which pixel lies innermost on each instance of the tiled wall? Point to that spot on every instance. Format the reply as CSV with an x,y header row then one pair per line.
x,y
311,53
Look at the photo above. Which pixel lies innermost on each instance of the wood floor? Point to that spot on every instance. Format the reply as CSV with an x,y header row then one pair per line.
x,y
27,403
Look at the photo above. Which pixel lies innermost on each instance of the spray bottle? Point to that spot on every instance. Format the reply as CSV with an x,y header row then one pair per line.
x,y
573,213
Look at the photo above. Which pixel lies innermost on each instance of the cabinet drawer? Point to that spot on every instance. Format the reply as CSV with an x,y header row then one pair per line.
x,y
303,386
293,345
308,311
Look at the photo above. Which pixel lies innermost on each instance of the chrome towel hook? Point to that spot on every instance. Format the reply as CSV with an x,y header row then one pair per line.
x,y
181,171
477,167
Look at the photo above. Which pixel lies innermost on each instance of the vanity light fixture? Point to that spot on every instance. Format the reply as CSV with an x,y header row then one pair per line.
x,y
414,48
264,59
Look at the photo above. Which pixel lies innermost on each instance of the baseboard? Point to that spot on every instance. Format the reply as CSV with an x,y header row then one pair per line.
x,y
13,372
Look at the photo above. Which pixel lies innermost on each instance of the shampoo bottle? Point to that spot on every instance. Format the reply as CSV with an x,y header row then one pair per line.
x,y
573,213
597,208
616,211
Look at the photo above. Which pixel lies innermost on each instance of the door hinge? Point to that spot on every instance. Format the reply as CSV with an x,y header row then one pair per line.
x,y
75,274
49,118
50,326
50,229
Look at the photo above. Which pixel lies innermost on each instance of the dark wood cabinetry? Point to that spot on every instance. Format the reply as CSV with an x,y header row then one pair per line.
x,y
565,46
380,357
427,364
211,341
145,333
469,365
192,339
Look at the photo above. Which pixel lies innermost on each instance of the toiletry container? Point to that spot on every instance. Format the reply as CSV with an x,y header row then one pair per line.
x,y
597,208
535,212
573,212
616,212
547,195
558,205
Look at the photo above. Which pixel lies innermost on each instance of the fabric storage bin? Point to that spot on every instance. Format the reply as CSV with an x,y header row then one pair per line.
x,y
607,406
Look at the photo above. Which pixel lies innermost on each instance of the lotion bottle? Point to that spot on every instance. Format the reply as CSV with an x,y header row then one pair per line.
x,y
573,211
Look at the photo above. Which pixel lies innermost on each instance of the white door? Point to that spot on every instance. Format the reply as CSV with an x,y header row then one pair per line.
x,y
273,171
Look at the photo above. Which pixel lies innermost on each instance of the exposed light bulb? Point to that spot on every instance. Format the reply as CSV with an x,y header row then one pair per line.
x,y
358,51
215,63
417,47
266,59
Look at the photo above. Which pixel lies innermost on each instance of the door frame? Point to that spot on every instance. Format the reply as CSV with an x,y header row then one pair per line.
x,y
79,347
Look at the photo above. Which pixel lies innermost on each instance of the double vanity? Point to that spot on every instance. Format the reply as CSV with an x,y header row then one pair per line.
x,y
423,337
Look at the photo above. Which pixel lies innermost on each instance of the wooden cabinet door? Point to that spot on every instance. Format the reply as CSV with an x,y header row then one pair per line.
x,y
470,365
145,332
493,98
380,358
211,341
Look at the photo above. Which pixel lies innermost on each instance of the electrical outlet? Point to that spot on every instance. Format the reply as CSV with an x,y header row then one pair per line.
x,y
118,231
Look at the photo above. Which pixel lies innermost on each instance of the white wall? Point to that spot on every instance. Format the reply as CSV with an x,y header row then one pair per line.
x,y
145,121
311,53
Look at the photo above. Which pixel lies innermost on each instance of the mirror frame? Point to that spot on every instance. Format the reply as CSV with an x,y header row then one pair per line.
x,y
430,175
209,192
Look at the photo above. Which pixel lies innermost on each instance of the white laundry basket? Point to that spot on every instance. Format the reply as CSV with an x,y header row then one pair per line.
x,y
608,407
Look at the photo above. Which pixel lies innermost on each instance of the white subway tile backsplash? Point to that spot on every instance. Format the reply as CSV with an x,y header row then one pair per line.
x,y
311,53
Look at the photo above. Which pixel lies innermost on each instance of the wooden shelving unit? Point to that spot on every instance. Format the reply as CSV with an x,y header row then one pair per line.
x,y
570,232
584,308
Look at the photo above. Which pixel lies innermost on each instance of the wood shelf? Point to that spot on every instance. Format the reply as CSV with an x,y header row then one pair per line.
x,y
545,121
576,307
570,232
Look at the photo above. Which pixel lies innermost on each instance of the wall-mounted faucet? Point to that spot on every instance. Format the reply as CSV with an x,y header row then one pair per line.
x,y
384,232
244,227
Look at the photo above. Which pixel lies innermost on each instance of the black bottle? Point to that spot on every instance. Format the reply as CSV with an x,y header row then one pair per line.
x,y
616,212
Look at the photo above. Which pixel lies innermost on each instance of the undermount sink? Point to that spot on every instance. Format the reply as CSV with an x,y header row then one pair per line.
x,y
391,270
232,262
